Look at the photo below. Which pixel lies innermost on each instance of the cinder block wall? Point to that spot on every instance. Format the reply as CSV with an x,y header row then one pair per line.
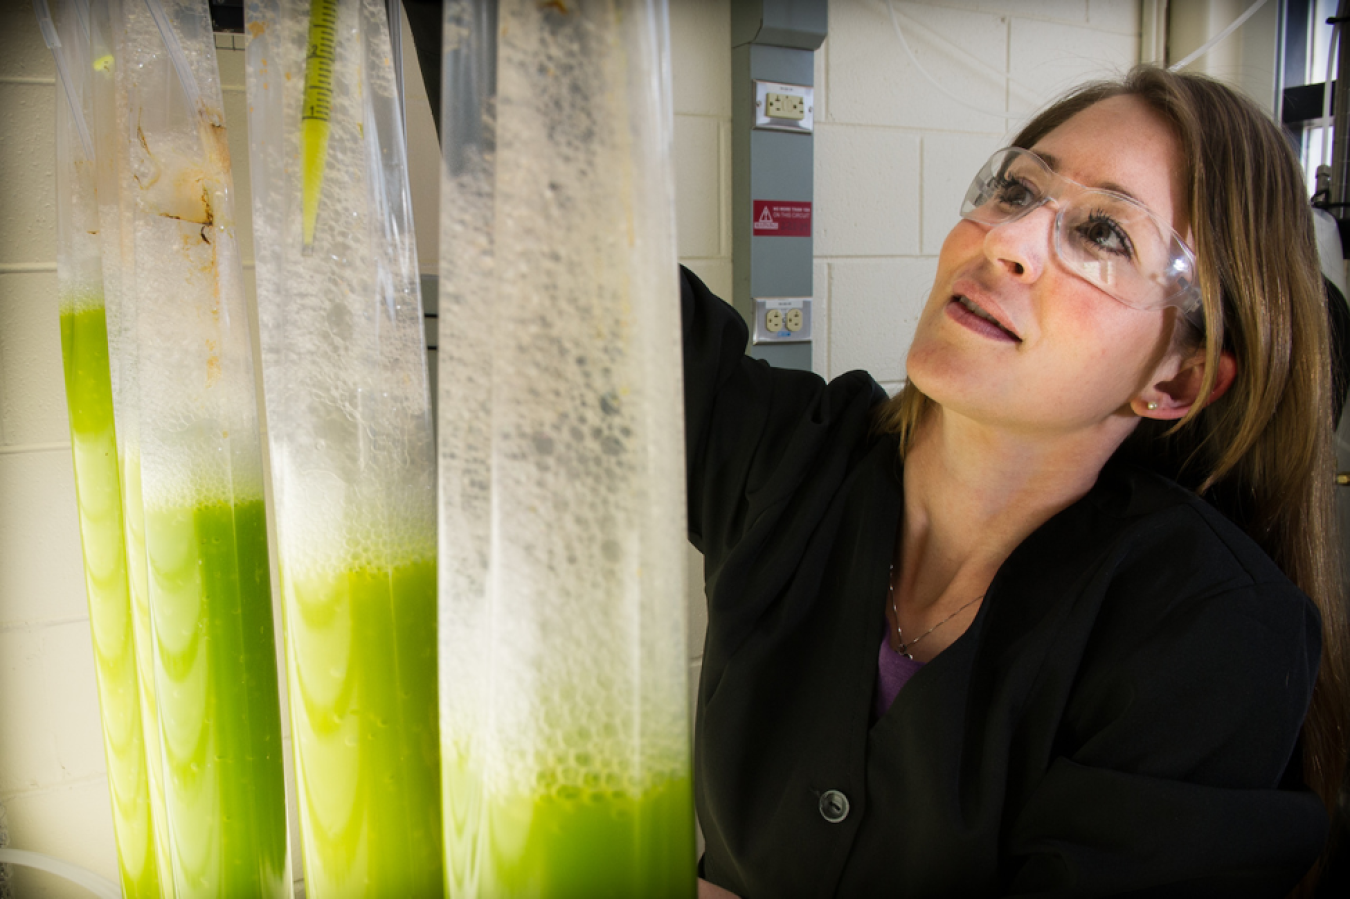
x,y
893,156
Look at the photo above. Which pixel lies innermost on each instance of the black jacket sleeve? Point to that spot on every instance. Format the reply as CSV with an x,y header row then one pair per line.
x,y
1178,766
765,451
752,431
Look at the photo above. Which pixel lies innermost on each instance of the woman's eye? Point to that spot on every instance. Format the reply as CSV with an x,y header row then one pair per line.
x,y
1011,193
1104,233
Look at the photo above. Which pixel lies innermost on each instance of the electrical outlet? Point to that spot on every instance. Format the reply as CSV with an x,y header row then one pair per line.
x,y
786,106
782,320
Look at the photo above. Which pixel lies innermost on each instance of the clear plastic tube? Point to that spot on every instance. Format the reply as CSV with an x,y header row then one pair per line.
x,y
109,121
101,887
353,460
1218,38
88,382
565,740
64,75
196,459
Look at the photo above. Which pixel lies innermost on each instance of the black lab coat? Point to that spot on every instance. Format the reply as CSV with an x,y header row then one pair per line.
x,y
1122,717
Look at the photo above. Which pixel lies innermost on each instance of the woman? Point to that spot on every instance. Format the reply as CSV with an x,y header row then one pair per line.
x,y
970,641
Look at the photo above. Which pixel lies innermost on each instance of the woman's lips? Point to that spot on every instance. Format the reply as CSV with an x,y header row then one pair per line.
x,y
971,316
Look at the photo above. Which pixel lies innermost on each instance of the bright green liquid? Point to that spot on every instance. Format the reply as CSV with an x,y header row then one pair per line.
x,y
361,649
216,671
568,843
84,349
137,578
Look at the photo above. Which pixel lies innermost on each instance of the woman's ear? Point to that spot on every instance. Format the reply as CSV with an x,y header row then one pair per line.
x,y
1173,396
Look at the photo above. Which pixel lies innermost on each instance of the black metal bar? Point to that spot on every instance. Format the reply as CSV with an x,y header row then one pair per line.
x,y
227,16
1304,103
1340,146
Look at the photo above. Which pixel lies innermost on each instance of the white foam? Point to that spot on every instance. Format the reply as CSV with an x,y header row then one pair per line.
x,y
343,350
562,601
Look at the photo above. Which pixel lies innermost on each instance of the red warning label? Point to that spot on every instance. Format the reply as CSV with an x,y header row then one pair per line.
x,y
782,218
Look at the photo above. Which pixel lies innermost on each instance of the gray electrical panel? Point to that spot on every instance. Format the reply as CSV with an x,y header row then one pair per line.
x,y
772,207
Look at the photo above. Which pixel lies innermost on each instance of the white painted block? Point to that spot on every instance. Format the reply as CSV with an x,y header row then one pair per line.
x,y
820,318
891,387
22,51
52,732
32,381
424,178
1049,59
724,185
695,668
867,191
698,212
28,169
72,823
950,161
698,602
1120,16
72,708
1075,11
700,56
874,308
715,273
872,81
236,133
821,82
41,564
230,63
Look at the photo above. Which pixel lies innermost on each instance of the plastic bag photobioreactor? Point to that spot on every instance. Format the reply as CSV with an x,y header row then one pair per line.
x,y
124,675
564,702
181,356
349,427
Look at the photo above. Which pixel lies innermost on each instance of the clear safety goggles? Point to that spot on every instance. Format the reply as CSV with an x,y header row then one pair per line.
x,y
1108,239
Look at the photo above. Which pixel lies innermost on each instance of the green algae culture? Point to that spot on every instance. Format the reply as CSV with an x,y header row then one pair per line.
x,y
566,841
362,669
217,677
182,362
352,454
563,653
133,519
84,350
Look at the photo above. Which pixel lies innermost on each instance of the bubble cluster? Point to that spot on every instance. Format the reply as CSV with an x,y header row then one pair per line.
x,y
178,324
344,363
563,631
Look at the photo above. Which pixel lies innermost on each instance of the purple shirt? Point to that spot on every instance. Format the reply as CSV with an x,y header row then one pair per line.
x,y
893,671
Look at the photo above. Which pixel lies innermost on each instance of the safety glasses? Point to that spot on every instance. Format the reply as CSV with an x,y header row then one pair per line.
x,y
1110,240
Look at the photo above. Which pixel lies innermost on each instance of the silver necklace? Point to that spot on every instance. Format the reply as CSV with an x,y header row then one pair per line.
x,y
904,648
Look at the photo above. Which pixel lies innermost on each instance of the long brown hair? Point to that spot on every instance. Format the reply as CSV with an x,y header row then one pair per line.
x,y
1262,453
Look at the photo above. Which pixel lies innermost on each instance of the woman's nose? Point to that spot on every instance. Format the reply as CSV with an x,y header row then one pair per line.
x,y
1022,246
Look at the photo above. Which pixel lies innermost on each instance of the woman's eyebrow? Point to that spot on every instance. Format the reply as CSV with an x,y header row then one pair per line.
x,y
1052,161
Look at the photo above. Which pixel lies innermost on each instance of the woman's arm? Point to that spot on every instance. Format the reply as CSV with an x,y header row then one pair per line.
x,y
1179,772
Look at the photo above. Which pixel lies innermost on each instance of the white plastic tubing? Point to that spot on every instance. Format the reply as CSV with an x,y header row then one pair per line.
x,y
99,886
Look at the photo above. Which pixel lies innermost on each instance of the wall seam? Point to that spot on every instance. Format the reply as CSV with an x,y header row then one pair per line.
x,y
12,627
82,780
34,448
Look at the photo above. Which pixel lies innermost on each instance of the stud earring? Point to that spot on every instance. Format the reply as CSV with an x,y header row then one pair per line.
x,y
1151,406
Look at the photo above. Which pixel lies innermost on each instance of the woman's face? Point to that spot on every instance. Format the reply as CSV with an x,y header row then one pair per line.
x,y
1064,356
